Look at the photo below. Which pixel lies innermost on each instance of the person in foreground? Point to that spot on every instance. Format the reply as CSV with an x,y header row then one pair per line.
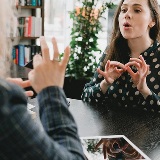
x,y
20,137
128,74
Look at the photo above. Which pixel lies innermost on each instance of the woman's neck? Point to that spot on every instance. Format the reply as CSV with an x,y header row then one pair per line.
x,y
138,46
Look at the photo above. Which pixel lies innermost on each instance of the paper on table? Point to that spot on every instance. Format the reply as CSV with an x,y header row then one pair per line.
x,y
118,145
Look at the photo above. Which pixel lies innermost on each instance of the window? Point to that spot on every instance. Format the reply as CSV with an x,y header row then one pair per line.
x,y
58,24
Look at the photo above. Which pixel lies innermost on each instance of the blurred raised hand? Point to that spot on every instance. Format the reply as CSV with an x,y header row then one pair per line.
x,y
48,72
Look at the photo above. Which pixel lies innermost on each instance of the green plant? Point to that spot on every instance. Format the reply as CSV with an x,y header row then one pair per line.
x,y
84,36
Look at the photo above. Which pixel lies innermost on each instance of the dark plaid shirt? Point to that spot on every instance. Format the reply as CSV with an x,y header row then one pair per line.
x,y
123,93
23,139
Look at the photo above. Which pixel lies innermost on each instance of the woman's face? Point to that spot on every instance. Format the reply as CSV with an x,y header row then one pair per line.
x,y
135,19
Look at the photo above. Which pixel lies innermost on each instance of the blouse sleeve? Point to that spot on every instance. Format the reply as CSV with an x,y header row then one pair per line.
x,y
92,91
152,102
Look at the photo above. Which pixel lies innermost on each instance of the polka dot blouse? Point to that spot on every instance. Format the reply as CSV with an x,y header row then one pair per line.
x,y
123,92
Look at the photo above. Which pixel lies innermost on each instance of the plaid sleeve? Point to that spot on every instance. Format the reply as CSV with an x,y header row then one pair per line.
x,y
23,138
59,123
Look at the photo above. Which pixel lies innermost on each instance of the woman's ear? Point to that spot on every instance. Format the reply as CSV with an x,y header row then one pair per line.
x,y
152,24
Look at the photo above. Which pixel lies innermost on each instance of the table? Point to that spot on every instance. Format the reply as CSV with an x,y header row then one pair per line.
x,y
142,129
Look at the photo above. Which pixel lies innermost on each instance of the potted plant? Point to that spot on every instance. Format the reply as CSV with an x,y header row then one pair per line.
x,y
84,46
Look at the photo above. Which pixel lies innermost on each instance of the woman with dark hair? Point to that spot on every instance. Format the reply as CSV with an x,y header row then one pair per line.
x,y
128,74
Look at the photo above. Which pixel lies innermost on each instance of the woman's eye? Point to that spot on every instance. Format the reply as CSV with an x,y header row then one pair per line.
x,y
137,10
123,10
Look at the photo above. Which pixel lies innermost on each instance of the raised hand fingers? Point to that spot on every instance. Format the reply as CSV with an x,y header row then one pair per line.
x,y
37,59
44,49
107,66
55,48
133,63
66,56
129,70
117,64
101,72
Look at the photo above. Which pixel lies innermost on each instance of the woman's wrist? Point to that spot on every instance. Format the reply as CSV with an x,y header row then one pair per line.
x,y
104,86
146,92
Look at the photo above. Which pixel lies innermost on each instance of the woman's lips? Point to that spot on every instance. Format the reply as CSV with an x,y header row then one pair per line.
x,y
126,25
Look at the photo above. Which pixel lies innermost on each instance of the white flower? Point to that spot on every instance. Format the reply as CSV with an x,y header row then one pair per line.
x,y
79,39
91,40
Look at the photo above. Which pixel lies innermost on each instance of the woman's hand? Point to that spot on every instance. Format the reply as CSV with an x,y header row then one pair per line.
x,y
48,72
22,84
139,77
113,70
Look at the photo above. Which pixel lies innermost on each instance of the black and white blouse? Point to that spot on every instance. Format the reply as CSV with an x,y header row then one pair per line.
x,y
123,92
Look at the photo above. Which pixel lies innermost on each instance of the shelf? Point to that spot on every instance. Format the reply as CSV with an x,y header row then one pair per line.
x,y
23,38
29,7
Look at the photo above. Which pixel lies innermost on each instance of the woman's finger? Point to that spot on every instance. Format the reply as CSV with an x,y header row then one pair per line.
x,y
136,60
147,71
107,66
142,59
117,64
101,73
129,70
133,63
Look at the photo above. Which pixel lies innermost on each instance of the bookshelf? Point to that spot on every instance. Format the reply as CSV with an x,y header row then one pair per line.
x,y
33,13
31,27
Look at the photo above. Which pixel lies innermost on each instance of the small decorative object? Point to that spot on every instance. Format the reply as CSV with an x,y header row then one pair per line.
x,y
84,35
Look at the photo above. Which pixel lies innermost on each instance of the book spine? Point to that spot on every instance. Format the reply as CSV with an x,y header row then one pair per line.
x,y
28,3
22,2
27,53
33,27
29,26
21,26
14,54
33,51
17,52
34,2
26,27
21,55
39,3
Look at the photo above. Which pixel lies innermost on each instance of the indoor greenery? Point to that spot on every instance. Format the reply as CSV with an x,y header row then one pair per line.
x,y
84,36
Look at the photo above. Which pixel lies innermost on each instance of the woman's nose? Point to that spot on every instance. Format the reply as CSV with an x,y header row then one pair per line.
x,y
127,15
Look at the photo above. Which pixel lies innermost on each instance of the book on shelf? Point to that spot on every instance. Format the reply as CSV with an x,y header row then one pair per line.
x,y
21,21
114,147
23,54
29,2
30,26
